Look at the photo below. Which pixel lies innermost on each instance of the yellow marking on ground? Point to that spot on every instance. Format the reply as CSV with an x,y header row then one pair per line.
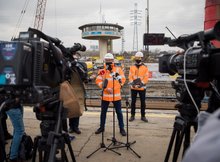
x,y
153,115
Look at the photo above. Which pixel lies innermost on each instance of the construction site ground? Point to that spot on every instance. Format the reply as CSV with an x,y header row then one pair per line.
x,y
151,138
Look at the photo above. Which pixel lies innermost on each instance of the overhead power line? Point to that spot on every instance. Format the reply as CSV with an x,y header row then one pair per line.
x,y
23,11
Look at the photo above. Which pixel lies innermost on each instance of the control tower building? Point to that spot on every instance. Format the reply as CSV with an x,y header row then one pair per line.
x,y
104,33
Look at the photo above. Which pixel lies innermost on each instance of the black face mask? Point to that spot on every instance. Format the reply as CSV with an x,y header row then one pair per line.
x,y
109,66
138,61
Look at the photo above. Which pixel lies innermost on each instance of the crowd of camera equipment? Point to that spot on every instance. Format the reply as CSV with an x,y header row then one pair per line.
x,y
198,70
32,68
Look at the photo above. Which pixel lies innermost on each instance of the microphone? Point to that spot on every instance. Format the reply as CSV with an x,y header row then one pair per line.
x,y
118,77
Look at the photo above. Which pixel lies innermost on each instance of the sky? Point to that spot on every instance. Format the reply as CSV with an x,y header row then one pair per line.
x,y
62,18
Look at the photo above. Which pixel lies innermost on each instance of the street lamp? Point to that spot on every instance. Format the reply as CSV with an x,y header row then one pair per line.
x,y
147,23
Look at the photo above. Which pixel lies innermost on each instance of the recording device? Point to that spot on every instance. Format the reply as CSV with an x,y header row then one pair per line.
x,y
33,65
32,68
197,66
77,47
202,61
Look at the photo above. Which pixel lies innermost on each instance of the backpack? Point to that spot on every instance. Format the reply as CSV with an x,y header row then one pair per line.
x,y
26,147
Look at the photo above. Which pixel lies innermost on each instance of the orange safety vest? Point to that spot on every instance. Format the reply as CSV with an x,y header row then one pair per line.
x,y
106,74
141,72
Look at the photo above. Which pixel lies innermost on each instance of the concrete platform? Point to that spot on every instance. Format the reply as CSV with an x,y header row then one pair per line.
x,y
151,138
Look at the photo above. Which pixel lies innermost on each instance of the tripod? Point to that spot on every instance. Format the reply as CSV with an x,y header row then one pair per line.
x,y
55,141
102,144
127,144
187,117
181,129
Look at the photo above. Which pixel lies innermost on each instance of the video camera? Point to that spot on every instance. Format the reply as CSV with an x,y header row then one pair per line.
x,y
201,61
197,66
33,66
198,69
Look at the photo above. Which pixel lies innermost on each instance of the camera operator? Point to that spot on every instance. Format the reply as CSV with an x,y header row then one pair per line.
x,y
15,112
111,91
138,78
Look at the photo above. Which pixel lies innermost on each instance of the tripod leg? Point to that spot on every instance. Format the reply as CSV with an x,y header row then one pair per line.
x,y
102,145
187,139
170,145
109,146
35,147
93,152
67,141
63,155
46,156
178,145
134,152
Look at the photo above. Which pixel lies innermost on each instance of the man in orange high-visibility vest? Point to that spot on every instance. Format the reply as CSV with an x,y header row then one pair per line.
x,y
138,78
110,80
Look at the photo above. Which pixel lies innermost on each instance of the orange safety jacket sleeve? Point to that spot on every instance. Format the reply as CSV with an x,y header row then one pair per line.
x,y
123,79
145,75
100,78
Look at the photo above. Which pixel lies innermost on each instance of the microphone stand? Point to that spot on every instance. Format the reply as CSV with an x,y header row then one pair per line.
x,y
102,144
114,140
127,144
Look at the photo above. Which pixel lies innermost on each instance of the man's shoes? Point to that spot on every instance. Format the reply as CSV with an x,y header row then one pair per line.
x,y
143,118
122,131
8,136
74,130
131,118
77,131
99,130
